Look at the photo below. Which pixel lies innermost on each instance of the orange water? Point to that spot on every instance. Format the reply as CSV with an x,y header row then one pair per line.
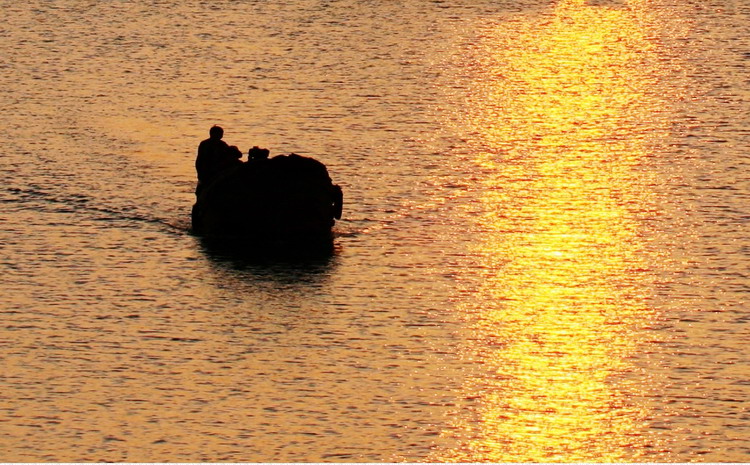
x,y
543,255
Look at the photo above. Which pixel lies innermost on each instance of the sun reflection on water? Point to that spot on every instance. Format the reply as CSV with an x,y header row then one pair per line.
x,y
567,112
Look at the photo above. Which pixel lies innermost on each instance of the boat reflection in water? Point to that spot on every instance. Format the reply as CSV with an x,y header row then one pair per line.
x,y
568,112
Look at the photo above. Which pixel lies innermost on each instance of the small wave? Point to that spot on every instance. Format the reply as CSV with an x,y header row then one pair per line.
x,y
39,199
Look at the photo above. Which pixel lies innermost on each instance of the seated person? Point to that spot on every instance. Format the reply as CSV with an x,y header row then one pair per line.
x,y
256,154
235,155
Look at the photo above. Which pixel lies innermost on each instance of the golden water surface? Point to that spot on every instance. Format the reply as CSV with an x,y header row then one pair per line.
x,y
567,112
543,254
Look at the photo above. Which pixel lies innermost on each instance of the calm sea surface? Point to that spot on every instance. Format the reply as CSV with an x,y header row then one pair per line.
x,y
544,254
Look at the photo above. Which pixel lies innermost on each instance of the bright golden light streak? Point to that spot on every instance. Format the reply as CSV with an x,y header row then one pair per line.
x,y
565,110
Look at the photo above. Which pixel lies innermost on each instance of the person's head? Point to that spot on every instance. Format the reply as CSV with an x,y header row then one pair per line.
x,y
216,132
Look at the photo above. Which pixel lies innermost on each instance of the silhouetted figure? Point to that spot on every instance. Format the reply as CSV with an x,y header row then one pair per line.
x,y
213,156
235,156
257,154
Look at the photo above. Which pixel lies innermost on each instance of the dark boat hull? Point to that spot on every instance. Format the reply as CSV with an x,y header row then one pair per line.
x,y
285,201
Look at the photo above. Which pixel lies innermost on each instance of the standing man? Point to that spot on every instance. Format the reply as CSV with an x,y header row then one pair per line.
x,y
213,155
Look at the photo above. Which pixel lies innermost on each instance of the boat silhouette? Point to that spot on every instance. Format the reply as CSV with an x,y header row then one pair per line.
x,y
284,200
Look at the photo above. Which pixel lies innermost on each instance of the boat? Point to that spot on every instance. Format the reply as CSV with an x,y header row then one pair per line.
x,y
287,200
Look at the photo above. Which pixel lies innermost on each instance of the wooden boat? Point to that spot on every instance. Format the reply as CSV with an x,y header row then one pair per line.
x,y
285,200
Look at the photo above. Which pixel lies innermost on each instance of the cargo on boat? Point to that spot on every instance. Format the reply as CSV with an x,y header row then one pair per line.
x,y
287,199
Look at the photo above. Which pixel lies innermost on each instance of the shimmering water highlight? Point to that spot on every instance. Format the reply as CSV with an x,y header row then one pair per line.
x,y
543,255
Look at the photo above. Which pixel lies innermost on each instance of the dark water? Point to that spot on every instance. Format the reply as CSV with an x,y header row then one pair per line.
x,y
543,255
